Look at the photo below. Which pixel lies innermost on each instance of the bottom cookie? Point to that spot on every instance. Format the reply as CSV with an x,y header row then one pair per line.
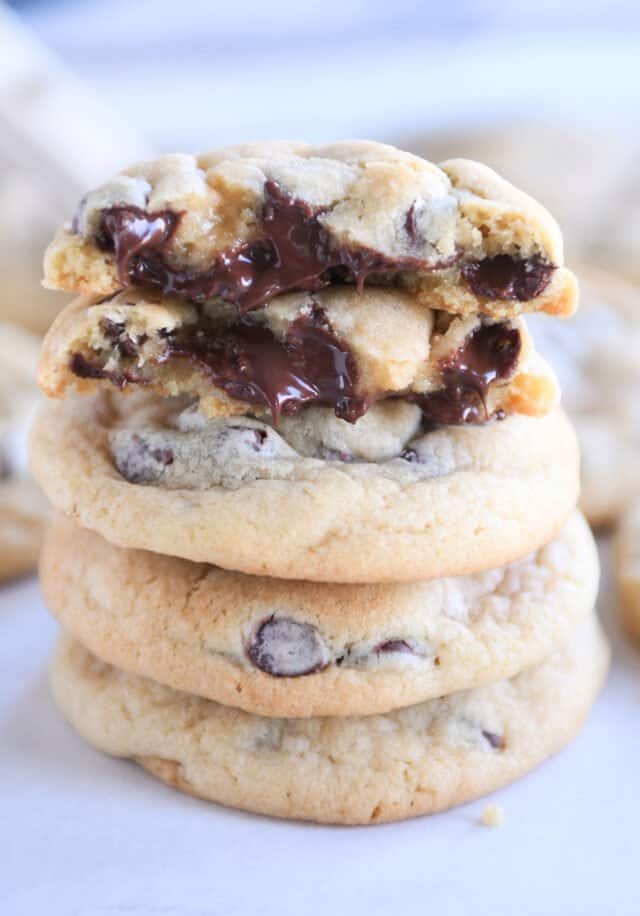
x,y
356,770
627,567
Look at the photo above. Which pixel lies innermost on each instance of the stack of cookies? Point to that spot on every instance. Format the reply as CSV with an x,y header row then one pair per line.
x,y
320,556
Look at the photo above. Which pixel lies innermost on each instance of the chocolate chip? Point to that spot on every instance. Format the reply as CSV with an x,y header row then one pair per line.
x,y
130,231
116,333
332,454
141,462
410,455
84,368
287,648
260,437
393,645
416,238
496,741
504,277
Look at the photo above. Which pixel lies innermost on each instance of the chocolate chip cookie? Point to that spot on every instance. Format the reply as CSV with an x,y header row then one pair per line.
x,y
379,500
349,770
332,348
248,223
278,648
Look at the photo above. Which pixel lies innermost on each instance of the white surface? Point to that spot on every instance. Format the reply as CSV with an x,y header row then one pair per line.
x,y
84,835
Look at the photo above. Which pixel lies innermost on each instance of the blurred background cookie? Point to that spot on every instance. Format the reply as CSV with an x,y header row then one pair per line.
x,y
55,137
588,177
23,508
597,358
627,569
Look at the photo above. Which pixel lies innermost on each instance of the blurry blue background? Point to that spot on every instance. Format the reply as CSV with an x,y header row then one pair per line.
x,y
196,73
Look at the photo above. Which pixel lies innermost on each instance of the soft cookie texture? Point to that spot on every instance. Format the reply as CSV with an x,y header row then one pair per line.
x,y
250,222
280,648
627,569
353,770
597,358
333,347
455,500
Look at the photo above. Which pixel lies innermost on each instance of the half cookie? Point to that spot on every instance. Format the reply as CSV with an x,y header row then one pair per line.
x,y
355,770
248,223
318,499
332,348
279,648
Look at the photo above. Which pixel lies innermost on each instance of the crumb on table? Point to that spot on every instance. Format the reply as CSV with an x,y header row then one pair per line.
x,y
492,816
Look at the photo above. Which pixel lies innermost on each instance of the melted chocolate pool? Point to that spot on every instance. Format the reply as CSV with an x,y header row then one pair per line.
x,y
311,366
246,360
488,355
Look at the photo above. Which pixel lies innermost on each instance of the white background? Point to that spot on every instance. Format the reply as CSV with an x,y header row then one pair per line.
x,y
81,834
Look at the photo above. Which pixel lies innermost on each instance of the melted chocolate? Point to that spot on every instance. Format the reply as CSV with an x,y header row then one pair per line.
x,y
489,354
130,232
293,251
246,360
81,367
311,366
504,277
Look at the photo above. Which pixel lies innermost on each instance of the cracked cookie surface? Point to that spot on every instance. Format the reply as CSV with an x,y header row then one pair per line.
x,y
250,222
282,648
350,770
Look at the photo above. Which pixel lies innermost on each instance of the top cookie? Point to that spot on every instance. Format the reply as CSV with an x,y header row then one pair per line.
x,y
247,223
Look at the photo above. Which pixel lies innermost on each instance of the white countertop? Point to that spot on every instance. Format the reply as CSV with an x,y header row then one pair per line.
x,y
85,835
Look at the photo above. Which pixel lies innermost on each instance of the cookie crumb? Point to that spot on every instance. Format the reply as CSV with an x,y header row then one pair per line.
x,y
492,816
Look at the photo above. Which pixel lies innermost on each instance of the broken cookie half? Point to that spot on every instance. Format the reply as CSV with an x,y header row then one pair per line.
x,y
246,224
332,348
